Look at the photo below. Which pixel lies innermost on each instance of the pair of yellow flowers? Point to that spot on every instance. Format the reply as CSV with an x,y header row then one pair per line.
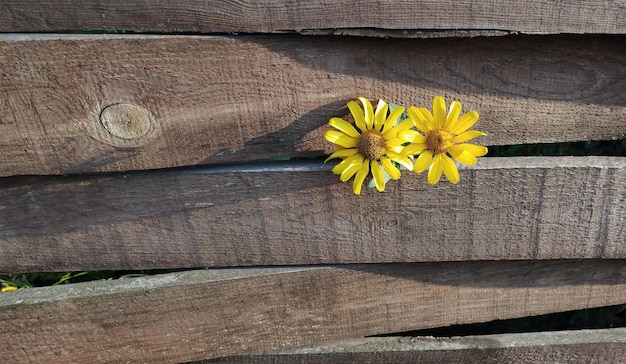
x,y
380,144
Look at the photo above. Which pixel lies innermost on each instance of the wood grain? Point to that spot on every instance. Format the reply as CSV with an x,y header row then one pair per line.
x,y
588,346
279,16
505,208
75,104
211,313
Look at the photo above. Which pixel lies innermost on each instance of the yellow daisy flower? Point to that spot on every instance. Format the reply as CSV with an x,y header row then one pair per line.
x,y
372,145
440,136
8,288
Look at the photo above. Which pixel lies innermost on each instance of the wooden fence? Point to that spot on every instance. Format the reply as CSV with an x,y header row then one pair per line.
x,y
152,135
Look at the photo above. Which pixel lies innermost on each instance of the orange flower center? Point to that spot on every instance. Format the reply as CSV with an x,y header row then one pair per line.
x,y
372,145
438,141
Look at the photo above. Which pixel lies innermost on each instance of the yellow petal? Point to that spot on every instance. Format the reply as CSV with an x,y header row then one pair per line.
x,y
360,177
406,162
342,153
357,114
379,179
439,111
393,132
414,149
351,170
344,126
477,150
434,173
391,170
369,112
465,122
380,115
449,169
462,156
395,145
422,119
340,138
339,168
393,117
453,115
403,160
423,161
412,136
470,134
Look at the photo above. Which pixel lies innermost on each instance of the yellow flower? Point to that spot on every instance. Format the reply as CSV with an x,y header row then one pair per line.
x,y
440,136
8,288
372,145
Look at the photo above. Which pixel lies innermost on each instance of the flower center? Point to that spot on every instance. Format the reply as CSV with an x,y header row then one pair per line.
x,y
372,145
438,141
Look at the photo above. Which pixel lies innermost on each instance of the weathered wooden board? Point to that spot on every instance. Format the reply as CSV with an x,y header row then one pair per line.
x,y
72,103
505,208
534,17
211,313
580,346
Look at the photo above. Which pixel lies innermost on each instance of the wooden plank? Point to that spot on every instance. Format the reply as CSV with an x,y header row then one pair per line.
x,y
532,17
74,104
579,346
212,313
505,208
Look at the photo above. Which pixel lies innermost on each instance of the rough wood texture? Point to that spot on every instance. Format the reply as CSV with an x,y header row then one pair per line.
x,y
212,313
580,346
505,208
533,17
72,104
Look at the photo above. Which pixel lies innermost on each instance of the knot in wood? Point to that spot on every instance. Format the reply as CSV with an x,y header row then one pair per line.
x,y
125,121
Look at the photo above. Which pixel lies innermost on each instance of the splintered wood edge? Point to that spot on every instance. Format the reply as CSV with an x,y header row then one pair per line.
x,y
198,315
148,282
373,344
22,37
578,345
